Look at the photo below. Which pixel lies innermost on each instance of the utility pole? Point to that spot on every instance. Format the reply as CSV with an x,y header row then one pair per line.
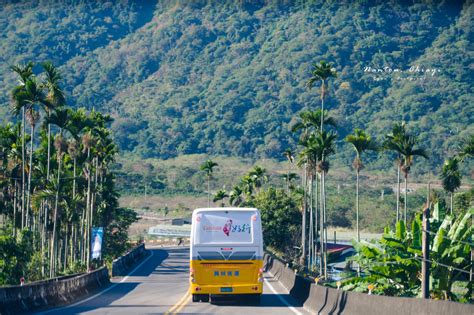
x,y
425,247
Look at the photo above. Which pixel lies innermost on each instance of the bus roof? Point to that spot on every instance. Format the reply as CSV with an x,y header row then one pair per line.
x,y
223,209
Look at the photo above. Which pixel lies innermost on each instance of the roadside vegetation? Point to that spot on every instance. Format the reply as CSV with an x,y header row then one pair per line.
x,y
55,182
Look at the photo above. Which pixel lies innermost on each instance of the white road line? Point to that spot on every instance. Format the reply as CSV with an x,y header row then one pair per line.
x,y
294,310
101,292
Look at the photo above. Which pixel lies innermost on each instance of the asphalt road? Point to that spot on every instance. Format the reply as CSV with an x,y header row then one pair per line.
x,y
159,285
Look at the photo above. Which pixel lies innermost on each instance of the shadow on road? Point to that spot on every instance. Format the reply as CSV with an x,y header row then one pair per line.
x,y
119,289
267,300
146,269
175,265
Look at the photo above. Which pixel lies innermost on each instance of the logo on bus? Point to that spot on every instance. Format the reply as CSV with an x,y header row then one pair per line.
x,y
228,228
235,228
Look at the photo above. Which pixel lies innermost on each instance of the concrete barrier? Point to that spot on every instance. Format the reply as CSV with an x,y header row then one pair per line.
x,y
49,293
121,265
55,292
324,300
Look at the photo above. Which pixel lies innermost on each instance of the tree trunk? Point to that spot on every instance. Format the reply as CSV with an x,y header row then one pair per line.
x,y
357,205
82,233
23,168
49,150
15,197
451,202
43,237
89,222
398,192
30,171
93,196
209,191
316,215
323,91
311,227
74,180
65,247
425,247
52,271
321,226
406,200
73,242
303,221
323,197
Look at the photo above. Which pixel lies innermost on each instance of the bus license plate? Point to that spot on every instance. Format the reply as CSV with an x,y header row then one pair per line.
x,y
226,289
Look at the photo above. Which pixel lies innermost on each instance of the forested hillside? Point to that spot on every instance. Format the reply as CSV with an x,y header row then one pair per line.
x,y
184,77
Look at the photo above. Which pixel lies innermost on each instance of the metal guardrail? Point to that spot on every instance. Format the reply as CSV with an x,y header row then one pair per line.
x,y
170,230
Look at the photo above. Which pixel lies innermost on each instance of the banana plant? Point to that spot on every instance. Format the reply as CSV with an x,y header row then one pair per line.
x,y
451,248
389,265
392,266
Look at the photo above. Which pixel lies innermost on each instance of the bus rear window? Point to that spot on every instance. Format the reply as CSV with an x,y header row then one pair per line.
x,y
224,227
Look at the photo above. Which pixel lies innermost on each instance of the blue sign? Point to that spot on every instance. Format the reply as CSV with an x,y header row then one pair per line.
x,y
96,242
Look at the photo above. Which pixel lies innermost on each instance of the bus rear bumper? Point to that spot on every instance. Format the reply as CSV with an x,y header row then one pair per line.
x,y
222,289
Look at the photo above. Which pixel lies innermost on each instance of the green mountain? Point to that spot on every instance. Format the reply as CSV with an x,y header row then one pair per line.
x,y
229,78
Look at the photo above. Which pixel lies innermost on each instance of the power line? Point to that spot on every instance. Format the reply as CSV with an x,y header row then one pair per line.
x,y
441,264
447,238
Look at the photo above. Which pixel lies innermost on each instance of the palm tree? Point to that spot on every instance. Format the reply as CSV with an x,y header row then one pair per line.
x,y
391,143
409,152
361,142
88,142
451,178
10,161
54,99
73,151
60,146
291,159
311,121
60,118
27,99
309,158
466,149
325,144
235,196
32,116
321,72
18,96
298,195
220,195
208,168
317,148
247,183
289,178
259,176
405,145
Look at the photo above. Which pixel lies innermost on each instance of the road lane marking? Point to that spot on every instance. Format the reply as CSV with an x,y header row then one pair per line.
x,y
294,310
101,292
185,302
181,303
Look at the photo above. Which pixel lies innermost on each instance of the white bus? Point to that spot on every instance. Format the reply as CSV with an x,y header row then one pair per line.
x,y
226,254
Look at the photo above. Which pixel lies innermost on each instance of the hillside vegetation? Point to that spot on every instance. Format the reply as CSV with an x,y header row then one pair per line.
x,y
185,77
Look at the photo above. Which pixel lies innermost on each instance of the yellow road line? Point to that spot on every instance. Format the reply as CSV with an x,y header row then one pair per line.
x,y
185,302
180,304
